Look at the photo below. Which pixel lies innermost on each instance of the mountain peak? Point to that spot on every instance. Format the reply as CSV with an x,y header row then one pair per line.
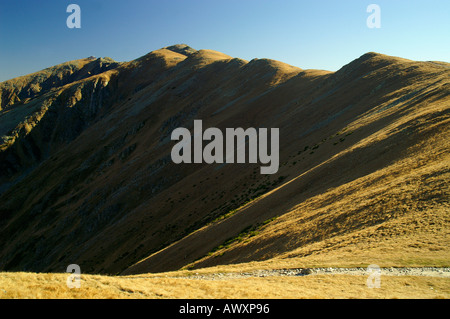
x,y
182,49
370,61
379,56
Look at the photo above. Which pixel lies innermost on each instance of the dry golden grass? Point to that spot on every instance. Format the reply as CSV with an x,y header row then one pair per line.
x,y
53,286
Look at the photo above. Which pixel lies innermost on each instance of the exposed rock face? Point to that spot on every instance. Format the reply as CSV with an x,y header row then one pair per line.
x,y
22,89
86,175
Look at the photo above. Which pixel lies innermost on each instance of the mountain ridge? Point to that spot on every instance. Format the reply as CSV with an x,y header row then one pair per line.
x,y
88,178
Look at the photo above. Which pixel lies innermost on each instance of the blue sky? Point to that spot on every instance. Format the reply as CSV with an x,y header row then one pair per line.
x,y
320,34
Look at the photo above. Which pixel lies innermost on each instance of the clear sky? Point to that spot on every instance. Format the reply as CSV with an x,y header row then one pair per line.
x,y
313,34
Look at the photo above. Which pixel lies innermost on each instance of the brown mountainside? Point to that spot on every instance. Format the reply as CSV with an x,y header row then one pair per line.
x,y
87,177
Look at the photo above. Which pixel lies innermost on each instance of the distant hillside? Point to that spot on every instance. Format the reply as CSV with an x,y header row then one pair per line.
x,y
86,175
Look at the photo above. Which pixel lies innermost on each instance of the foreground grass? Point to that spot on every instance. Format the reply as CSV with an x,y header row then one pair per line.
x,y
53,286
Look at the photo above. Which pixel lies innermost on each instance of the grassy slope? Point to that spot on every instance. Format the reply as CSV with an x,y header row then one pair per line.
x,y
47,286
398,215
381,198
